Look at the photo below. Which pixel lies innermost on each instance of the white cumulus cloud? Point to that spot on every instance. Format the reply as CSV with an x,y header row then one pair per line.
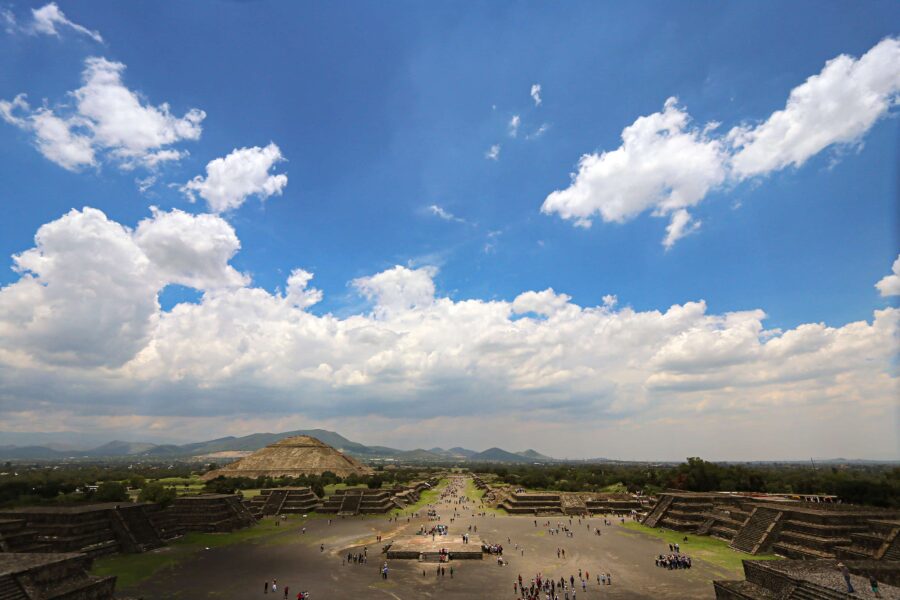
x,y
57,139
190,250
243,173
109,119
49,17
493,152
663,165
836,106
889,285
398,289
666,167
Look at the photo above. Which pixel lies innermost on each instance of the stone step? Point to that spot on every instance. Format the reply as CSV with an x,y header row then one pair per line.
x,y
799,552
10,589
808,591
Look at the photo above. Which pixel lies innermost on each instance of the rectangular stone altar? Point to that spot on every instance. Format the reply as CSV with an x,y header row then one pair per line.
x,y
415,546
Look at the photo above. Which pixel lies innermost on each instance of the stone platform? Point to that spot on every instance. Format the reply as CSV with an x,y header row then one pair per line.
x,y
59,576
416,546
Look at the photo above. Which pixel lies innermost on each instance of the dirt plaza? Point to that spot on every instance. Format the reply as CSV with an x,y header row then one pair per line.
x,y
311,555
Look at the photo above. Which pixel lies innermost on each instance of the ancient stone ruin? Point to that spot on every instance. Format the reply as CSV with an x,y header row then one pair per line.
x,y
286,500
522,503
61,576
210,513
794,529
808,580
94,529
355,501
293,457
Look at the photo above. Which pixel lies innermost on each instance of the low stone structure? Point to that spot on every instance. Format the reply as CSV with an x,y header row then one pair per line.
x,y
286,500
355,501
94,529
59,576
808,580
615,504
403,496
521,503
880,542
794,529
293,457
15,536
210,513
422,547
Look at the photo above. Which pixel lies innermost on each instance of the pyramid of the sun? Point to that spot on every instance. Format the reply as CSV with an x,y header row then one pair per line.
x,y
292,457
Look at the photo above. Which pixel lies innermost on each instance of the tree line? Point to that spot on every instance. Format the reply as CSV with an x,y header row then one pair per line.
x,y
870,484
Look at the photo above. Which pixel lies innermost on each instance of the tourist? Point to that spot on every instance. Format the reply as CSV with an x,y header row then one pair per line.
x,y
286,588
846,573
874,583
266,587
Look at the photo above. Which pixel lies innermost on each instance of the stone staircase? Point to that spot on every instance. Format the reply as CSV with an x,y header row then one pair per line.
x,y
274,502
10,589
142,528
658,511
351,504
754,535
811,591
706,526
893,551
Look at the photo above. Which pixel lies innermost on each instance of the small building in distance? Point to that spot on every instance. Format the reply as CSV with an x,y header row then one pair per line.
x,y
293,457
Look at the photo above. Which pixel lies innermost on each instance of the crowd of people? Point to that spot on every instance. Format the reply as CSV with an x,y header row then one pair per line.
x,y
541,588
673,561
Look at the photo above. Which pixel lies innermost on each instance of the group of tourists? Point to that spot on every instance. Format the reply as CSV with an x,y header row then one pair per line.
x,y
673,561
493,548
540,588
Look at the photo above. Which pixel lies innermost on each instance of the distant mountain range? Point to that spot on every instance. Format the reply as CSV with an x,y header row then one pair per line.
x,y
145,450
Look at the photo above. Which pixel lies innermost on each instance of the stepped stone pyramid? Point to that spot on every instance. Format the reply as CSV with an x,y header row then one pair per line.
x,y
292,457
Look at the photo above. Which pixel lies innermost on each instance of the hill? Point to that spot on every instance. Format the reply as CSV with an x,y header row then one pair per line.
x,y
498,455
118,449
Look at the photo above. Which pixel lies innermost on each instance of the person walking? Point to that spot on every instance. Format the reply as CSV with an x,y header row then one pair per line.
x,y
846,574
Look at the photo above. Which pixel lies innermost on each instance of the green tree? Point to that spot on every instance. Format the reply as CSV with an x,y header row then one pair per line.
x,y
111,491
157,492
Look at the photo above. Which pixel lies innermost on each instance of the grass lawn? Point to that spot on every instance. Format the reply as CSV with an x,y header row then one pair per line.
x,y
329,489
475,494
703,547
131,569
616,488
425,498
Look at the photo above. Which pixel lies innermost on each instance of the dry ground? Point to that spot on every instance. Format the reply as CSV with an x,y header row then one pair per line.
x,y
238,571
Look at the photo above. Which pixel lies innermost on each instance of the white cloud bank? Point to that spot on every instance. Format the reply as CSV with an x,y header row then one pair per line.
x,y
81,331
109,119
666,167
243,173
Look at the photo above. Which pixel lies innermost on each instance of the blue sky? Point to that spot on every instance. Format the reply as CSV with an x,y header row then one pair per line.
x,y
384,116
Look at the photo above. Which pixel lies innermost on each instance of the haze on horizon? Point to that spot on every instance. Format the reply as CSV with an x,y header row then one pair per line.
x,y
635,231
